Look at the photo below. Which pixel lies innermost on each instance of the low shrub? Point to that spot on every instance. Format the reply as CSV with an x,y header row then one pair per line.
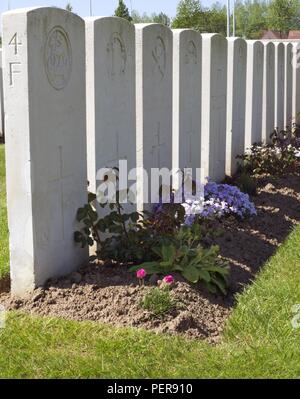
x,y
275,158
158,301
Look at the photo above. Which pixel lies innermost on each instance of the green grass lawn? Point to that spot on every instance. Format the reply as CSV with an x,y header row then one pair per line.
x,y
259,341
4,258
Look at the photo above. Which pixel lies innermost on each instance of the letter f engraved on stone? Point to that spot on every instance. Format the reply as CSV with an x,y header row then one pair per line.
x,y
14,69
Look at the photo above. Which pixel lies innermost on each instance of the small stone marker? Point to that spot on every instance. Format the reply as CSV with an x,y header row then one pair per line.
x,y
279,85
254,93
187,66
111,122
268,107
214,99
288,85
44,91
236,102
154,102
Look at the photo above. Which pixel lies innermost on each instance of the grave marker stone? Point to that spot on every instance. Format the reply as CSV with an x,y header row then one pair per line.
x,y
268,111
254,92
154,102
111,122
44,91
288,85
279,85
214,99
187,66
296,83
236,102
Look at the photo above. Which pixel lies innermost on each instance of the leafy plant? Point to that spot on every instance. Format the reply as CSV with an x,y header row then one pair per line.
x,y
158,301
187,256
276,158
246,183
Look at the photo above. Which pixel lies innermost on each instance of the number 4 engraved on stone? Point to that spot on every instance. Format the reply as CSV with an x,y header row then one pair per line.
x,y
15,43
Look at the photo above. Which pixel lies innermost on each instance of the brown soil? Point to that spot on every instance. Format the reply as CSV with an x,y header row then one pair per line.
x,y
111,295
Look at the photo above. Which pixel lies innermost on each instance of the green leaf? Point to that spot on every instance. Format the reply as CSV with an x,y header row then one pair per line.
x,y
78,237
168,252
91,197
81,214
204,275
191,273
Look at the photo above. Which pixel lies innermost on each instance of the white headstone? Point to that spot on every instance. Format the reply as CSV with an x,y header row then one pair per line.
x,y
268,107
254,92
288,85
1,98
296,83
44,91
187,65
279,85
154,100
236,102
214,99
111,122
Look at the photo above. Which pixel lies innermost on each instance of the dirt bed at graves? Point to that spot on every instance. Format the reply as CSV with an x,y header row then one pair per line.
x,y
109,294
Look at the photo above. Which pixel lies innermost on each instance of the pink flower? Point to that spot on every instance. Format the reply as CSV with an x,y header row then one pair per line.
x,y
169,280
141,274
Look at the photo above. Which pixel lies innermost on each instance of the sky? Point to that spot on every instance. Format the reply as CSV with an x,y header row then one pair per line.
x,y
102,7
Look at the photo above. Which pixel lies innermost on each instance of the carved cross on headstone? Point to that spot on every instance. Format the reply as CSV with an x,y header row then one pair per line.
x,y
116,152
190,147
61,178
158,145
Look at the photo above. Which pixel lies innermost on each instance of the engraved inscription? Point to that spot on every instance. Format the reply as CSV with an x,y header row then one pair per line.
x,y
58,58
60,179
158,145
191,53
14,69
15,43
117,55
159,56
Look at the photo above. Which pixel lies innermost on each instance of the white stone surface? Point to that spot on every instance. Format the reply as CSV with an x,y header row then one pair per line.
x,y
279,85
288,85
296,83
44,92
154,100
1,98
187,66
111,121
214,100
268,107
254,92
236,102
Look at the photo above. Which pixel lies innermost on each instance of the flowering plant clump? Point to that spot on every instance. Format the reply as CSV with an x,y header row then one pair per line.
x,y
219,200
141,274
275,158
169,280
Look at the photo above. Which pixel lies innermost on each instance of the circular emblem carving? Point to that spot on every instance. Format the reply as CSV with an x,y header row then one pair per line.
x,y
191,53
117,56
159,56
58,58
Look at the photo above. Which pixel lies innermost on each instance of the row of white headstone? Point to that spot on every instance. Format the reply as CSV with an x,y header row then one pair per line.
x,y
81,95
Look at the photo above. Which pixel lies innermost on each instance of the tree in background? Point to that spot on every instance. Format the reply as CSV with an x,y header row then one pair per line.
x,y
122,11
188,13
283,15
251,18
160,18
69,7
